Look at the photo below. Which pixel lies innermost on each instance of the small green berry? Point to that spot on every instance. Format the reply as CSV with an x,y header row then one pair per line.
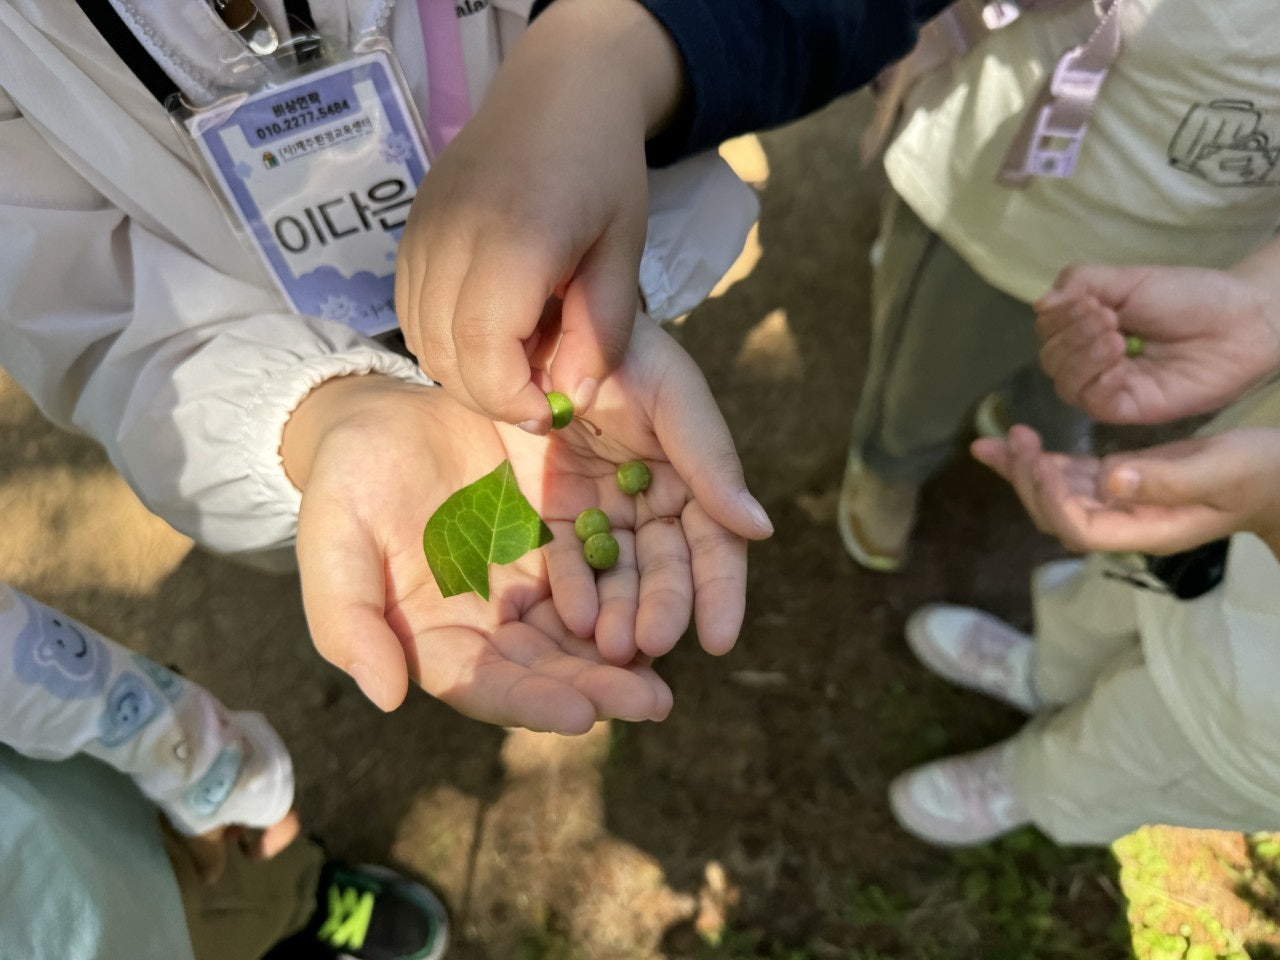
x,y
591,521
561,409
1134,346
601,551
634,477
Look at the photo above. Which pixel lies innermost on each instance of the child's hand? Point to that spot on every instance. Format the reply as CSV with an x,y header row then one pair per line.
x,y
682,541
543,192
1160,500
374,457
209,850
1205,338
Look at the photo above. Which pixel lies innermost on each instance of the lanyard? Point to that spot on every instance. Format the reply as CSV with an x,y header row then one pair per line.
x,y
449,104
448,99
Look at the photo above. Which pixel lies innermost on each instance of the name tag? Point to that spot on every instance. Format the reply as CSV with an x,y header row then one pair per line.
x,y
318,173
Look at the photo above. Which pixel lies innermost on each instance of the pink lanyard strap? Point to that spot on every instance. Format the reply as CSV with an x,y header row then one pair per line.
x,y
947,37
1047,143
448,99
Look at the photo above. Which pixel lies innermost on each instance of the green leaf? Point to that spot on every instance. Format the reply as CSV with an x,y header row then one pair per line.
x,y
485,522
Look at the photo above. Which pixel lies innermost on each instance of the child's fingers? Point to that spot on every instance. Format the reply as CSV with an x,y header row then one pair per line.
x,y
1107,283
1077,354
573,582
516,688
719,580
599,312
697,443
1173,482
499,307
1113,397
428,278
666,585
619,592
992,452
1066,512
1024,454
631,691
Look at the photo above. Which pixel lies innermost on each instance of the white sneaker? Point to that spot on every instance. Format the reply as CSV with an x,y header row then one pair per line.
x,y
875,518
975,650
959,801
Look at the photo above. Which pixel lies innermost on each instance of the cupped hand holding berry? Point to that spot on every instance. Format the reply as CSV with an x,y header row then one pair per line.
x,y
1160,500
1203,337
374,457
682,541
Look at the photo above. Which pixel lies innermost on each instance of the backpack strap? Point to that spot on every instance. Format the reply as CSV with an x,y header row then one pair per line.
x,y
102,14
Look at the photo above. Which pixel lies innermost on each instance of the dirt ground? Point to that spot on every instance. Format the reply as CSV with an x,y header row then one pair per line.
x,y
753,822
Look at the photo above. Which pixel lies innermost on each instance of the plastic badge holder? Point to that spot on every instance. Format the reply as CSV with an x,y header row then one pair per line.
x,y
316,159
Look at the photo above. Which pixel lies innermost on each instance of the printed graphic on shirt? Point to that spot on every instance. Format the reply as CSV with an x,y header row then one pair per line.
x,y
1230,143
465,8
212,790
130,706
59,655
168,682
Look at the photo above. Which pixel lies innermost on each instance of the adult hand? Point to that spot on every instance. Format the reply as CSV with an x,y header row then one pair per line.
x,y
1205,338
1160,500
374,457
543,192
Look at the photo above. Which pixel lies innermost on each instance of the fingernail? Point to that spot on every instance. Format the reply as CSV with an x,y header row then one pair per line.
x,y
586,392
369,682
757,512
530,426
1123,482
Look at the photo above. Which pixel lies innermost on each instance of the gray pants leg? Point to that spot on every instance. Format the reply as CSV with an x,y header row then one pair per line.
x,y
942,338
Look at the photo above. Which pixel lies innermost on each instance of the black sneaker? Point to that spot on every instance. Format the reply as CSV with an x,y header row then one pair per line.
x,y
374,913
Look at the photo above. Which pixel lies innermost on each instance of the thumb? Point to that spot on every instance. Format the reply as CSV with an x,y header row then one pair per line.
x,y
1170,480
599,310
697,442
344,591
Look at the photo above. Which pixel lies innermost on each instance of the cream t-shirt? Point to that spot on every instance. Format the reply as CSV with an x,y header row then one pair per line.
x,y
1181,163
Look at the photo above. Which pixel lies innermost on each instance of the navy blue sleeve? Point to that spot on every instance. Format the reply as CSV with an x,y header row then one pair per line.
x,y
755,64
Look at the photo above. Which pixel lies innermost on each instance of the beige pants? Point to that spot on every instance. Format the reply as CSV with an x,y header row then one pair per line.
x,y
1110,758
253,905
